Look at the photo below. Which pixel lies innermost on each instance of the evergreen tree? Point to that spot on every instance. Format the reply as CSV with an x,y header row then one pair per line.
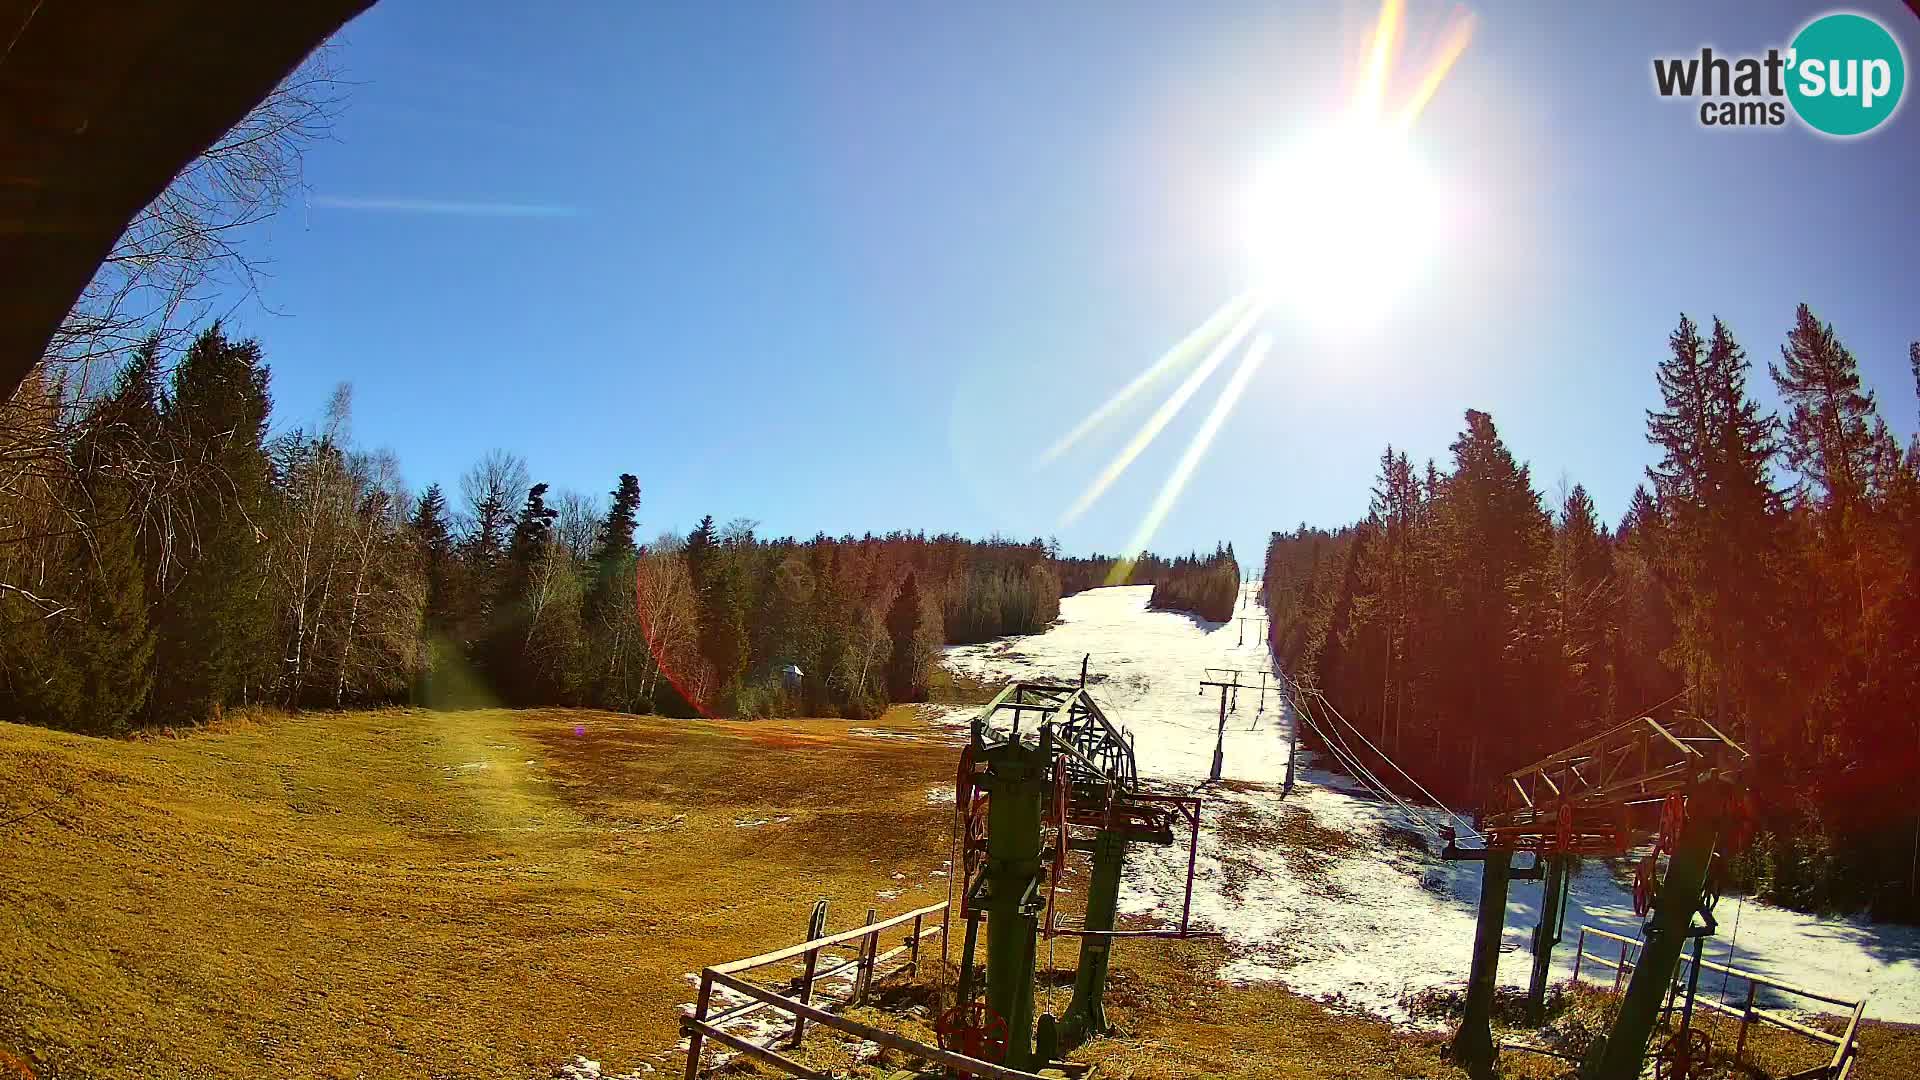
x,y
214,619
907,669
532,529
614,643
1831,423
1496,539
699,551
111,642
616,532
433,537
1719,507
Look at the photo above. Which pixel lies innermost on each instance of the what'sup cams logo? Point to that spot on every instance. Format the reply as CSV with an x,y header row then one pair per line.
x,y
1842,76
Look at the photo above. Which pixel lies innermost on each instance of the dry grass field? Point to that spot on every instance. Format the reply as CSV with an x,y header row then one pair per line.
x,y
405,893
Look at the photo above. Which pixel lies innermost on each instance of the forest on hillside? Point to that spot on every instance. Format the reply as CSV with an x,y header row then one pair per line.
x,y
1766,576
1203,585
167,556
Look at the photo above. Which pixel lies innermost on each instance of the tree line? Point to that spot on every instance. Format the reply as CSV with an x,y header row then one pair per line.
x,y
1206,586
165,556
1765,576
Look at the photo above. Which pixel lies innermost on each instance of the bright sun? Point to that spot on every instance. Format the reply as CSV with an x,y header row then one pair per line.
x,y
1336,229
1339,226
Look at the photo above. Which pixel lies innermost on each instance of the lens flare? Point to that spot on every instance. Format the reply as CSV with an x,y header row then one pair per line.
x,y
1196,450
1163,415
1177,358
1335,230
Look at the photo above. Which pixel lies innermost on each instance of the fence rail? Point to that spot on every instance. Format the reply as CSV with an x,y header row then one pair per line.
x,y
702,1024
1846,1044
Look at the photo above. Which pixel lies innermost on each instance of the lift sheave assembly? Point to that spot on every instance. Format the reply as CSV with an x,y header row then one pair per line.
x,y
1045,773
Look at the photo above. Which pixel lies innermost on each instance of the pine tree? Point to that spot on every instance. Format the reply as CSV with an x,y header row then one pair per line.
x,y
214,619
616,532
110,642
1845,457
907,669
433,538
699,551
1496,540
532,529
614,650
1718,505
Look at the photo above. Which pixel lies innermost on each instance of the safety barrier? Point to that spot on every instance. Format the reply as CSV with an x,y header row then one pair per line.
x,y
1846,1045
701,1024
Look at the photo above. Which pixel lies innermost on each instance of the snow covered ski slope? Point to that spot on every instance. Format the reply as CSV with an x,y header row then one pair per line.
x,y
1333,892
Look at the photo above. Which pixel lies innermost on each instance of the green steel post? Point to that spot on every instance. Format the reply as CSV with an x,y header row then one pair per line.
x,y
1087,1012
1473,1046
1017,777
1220,743
1553,901
964,992
1693,984
1665,935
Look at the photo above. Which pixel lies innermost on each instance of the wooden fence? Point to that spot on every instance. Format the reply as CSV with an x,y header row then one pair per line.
x,y
1846,1045
797,1000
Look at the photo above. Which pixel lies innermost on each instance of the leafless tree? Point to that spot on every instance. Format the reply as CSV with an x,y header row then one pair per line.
x,y
670,618
578,526
492,489
186,244
155,283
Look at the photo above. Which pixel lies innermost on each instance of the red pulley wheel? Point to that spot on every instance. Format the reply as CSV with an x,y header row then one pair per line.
x,y
1644,883
1673,817
963,780
973,1029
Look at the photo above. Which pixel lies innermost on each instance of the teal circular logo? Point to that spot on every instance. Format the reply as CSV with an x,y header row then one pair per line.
x,y
1845,74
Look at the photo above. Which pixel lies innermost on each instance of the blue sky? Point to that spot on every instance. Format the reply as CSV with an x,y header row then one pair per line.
x,y
851,267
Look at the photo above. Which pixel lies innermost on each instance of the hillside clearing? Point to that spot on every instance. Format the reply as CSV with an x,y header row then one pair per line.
x,y
492,893
473,894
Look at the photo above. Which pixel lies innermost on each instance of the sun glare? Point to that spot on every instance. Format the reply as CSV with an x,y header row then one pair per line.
x,y
1338,226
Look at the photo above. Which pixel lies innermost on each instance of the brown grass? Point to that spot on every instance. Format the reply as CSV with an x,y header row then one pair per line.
x,y
413,893
486,894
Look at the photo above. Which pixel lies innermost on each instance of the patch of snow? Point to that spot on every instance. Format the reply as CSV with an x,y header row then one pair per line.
x,y
583,1068
883,733
754,823
1385,917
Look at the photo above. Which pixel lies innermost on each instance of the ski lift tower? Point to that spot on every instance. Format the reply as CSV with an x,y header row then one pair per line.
x,y
1677,784
1044,755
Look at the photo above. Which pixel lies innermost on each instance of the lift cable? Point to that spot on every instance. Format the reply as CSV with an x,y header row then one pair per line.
x,y
1344,754
1396,768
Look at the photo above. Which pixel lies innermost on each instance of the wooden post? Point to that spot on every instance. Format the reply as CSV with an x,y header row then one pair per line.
x,y
806,995
1193,858
1842,1063
1579,954
816,928
1620,973
863,972
1746,1018
913,956
696,1038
